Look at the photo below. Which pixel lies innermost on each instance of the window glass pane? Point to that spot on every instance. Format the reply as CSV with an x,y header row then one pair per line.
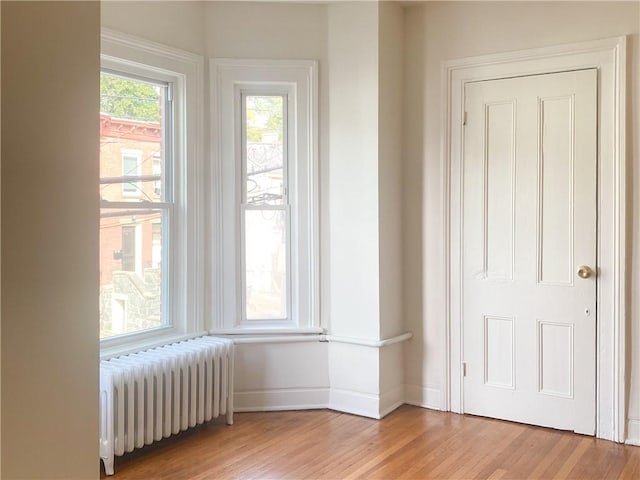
x,y
265,172
265,264
130,270
131,166
131,139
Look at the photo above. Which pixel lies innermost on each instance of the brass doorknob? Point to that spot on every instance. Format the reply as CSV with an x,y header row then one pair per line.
x,y
584,271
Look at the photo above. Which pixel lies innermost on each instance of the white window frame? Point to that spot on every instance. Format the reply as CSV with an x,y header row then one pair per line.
x,y
297,80
184,71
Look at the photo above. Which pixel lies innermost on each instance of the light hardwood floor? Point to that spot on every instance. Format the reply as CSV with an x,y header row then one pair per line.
x,y
409,443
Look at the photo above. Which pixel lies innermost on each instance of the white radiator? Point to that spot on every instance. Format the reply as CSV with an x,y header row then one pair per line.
x,y
153,394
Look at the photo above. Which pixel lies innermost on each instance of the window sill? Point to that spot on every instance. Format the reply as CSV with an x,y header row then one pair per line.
x,y
266,331
139,344
298,337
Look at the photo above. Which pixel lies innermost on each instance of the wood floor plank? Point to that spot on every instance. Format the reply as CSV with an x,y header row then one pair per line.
x,y
573,459
554,453
497,475
410,443
631,468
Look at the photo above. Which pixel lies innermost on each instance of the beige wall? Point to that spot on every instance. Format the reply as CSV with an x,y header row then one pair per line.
x,y
438,31
0,239
50,57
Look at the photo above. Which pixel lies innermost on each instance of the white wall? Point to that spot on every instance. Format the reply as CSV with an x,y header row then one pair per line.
x,y
390,150
266,30
281,376
353,170
175,23
365,220
50,61
390,124
438,31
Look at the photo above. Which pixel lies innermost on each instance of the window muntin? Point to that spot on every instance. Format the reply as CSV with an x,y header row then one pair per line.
x,y
136,205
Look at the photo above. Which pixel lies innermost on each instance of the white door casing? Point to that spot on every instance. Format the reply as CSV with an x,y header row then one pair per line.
x,y
529,221
608,56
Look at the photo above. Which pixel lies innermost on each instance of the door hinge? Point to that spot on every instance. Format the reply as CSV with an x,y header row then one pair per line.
x,y
464,369
464,119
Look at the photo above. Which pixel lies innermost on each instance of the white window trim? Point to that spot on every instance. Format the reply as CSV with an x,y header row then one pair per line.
x,y
132,55
299,78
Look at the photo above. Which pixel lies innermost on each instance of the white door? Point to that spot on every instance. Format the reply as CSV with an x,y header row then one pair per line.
x,y
529,224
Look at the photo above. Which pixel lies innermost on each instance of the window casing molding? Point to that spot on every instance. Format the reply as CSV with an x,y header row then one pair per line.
x,y
184,72
297,80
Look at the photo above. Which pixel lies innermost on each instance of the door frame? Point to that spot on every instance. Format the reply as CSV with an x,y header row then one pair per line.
x,y
608,56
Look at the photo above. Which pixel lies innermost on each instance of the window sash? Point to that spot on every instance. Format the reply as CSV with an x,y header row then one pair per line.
x,y
245,207
285,142
285,209
126,209
166,206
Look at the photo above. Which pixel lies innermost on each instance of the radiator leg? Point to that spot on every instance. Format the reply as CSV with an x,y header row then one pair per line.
x,y
230,387
229,416
108,465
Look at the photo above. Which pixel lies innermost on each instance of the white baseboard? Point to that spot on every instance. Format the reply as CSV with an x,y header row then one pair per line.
x,y
391,400
357,403
426,397
633,432
281,399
